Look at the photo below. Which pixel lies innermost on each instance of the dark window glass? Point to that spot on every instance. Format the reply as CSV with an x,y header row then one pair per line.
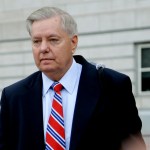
x,y
145,81
145,57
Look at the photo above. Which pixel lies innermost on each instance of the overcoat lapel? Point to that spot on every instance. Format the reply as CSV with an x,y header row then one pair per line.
x,y
34,110
87,98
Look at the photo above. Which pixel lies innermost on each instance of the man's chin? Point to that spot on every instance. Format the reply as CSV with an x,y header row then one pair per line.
x,y
47,70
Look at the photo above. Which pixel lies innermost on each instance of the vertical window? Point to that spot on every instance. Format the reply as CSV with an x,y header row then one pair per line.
x,y
144,68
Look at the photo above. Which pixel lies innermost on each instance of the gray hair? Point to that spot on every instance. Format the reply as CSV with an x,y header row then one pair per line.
x,y
67,22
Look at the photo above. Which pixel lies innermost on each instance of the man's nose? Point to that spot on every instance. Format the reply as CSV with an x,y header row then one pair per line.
x,y
44,46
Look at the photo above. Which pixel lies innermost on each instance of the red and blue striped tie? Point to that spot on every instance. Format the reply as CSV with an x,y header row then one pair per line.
x,y
55,134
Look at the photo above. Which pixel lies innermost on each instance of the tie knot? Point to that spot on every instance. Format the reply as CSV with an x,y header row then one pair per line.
x,y
57,86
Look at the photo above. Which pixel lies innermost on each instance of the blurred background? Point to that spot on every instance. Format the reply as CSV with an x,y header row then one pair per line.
x,y
115,33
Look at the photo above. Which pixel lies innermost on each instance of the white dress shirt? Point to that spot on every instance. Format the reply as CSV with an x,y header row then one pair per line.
x,y
70,82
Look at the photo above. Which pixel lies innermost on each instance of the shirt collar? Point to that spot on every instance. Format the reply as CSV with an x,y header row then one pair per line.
x,y
47,82
68,80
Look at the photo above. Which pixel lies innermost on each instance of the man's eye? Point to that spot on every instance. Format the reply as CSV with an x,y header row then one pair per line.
x,y
54,40
35,41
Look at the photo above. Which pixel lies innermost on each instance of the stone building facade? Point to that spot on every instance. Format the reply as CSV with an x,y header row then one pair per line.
x,y
115,33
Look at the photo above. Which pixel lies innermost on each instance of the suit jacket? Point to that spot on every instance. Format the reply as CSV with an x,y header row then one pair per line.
x,y
105,112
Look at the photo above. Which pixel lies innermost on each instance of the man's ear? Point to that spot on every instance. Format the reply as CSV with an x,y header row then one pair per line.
x,y
74,43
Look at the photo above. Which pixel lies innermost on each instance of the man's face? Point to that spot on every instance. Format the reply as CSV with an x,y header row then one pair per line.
x,y
52,47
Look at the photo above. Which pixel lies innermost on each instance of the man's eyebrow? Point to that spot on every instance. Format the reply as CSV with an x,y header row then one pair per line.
x,y
53,35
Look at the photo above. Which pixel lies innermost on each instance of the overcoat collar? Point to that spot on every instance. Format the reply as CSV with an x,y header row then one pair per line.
x,y
87,97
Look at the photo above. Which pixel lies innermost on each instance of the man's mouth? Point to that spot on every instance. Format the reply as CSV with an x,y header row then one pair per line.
x,y
46,60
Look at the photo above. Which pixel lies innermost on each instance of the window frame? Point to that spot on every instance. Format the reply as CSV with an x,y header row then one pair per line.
x,y
140,69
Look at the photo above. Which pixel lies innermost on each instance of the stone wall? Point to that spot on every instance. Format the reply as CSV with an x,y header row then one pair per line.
x,y
109,32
